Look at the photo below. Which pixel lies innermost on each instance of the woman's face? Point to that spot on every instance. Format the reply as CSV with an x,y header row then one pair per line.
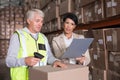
x,y
69,26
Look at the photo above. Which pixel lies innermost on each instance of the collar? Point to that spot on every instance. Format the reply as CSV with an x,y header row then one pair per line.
x,y
34,35
28,31
66,37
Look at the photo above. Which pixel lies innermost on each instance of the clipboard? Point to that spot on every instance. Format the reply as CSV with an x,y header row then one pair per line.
x,y
77,48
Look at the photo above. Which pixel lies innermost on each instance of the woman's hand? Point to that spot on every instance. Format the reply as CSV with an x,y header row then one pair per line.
x,y
80,59
58,63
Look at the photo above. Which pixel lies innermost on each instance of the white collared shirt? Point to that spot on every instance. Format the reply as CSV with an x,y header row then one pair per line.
x,y
68,41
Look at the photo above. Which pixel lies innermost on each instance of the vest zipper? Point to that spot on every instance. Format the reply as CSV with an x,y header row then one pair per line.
x,y
36,46
35,42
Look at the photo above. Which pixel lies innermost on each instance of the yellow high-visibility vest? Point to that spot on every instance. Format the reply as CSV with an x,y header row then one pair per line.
x,y
28,45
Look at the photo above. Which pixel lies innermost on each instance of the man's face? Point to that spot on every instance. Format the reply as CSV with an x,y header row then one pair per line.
x,y
35,24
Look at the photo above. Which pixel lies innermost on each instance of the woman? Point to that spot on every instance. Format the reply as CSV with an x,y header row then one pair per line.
x,y
63,41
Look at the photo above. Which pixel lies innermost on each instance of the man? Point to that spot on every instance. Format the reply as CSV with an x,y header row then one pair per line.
x,y
24,43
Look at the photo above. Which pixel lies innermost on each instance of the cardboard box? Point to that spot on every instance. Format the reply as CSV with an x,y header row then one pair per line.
x,y
99,39
98,59
98,74
111,75
73,72
113,39
66,6
114,61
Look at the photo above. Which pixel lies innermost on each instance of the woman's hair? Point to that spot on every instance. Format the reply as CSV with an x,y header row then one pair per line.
x,y
71,16
30,13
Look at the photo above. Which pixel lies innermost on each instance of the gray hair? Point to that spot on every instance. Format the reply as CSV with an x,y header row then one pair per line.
x,y
30,13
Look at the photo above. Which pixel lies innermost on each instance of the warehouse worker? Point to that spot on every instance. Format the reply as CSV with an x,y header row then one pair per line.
x,y
63,41
24,43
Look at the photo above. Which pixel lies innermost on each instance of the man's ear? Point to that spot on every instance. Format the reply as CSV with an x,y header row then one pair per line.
x,y
28,21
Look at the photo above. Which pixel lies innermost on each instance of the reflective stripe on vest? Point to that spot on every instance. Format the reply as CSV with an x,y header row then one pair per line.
x,y
28,45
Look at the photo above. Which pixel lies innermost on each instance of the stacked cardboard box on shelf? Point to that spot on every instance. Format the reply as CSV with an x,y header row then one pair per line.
x,y
54,24
112,44
7,28
93,12
2,28
97,74
105,54
19,17
67,6
50,12
113,39
43,3
4,70
78,13
85,2
112,75
87,11
112,7
3,48
10,21
51,19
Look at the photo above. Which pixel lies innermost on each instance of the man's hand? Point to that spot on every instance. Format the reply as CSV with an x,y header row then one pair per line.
x,y
59,64
31,61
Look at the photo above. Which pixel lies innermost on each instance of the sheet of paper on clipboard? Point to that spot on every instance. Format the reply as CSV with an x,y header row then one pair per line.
x,y
77,48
